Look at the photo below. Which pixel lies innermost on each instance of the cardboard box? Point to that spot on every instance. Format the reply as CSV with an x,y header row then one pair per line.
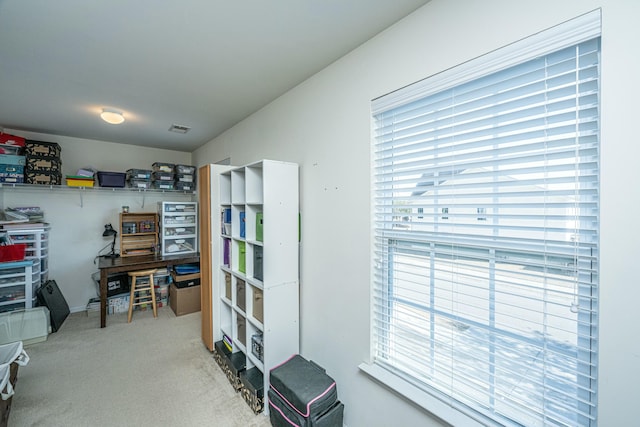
x,y
185,300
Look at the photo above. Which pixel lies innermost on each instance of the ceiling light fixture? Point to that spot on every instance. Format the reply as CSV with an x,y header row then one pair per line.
x,y
111,116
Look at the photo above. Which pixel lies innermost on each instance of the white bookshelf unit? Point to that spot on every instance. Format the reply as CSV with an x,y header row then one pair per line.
x,y
178,231
257,283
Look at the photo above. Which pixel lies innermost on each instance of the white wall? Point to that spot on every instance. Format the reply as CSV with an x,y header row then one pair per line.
x,y
77,218
324,125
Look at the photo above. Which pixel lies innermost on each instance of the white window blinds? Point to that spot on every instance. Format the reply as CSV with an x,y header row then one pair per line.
x,y
485,198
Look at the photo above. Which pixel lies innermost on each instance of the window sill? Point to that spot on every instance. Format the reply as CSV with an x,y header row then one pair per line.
x,y
435,406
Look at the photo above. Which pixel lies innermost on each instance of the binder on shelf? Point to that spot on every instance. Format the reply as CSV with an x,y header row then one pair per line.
x,y
259,226
226,253
227,342
242,224
242,261
225,218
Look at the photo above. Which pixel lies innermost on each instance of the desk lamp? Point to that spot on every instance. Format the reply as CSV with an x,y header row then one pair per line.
x,y
109,231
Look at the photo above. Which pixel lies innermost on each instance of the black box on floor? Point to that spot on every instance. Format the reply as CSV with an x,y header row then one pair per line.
x,y
253,389
234,364
220,353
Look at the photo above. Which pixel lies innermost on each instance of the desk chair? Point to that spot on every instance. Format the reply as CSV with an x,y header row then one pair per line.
x,y
142,298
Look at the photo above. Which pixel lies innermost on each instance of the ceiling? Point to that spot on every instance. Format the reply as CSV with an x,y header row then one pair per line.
x,y
203,64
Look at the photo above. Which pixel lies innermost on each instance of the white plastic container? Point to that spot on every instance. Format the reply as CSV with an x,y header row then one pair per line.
x,y
30,326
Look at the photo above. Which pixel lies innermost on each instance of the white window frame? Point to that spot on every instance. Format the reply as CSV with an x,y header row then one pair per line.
x,y
570,33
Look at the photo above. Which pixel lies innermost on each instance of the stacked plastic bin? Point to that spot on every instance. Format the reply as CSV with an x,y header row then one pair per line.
x,y
11,159
185,178
162,176
139,178
12,356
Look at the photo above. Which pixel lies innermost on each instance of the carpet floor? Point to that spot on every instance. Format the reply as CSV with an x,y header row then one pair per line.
x,y
150,372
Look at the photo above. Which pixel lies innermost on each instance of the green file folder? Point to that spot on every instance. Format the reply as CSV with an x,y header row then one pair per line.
x,y
259,226
242,259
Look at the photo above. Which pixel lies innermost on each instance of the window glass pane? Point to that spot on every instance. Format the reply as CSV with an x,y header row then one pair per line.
x,y
486,225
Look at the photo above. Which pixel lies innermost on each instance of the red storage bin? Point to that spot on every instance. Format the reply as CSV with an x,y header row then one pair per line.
x,y
9,253
7,139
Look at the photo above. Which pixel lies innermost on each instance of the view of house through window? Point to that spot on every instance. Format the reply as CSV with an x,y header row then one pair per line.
x,y
485,198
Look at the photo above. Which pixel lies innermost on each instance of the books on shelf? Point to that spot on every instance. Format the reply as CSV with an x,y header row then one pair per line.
x,y
242,224
227,342
225,222
226,261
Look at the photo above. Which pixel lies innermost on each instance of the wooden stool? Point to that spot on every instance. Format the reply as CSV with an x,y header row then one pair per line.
x,y
142,299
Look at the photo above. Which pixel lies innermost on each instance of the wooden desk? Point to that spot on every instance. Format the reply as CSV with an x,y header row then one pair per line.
x,y
143,262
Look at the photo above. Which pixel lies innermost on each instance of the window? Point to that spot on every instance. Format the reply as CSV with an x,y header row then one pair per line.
x,y
481,212
493,309
445,213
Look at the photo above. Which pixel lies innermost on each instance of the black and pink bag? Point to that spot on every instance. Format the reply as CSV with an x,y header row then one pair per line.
x,y
301,394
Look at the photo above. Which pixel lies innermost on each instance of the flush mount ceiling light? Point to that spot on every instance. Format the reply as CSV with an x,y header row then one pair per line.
x,y
111,116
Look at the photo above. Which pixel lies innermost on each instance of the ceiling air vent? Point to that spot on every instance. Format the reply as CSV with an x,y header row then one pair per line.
x,y
179,128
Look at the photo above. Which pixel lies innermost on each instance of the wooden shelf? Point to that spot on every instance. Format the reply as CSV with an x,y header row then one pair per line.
x,y
138,243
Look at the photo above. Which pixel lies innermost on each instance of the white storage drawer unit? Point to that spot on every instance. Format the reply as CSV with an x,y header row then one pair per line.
x,y
18,284
178,231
